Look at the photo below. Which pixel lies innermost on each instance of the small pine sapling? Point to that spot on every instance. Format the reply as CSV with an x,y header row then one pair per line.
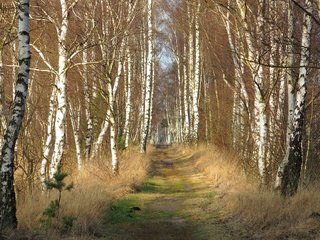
x,y
52,211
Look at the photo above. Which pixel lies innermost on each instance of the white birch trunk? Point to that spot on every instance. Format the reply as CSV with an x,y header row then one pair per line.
x,y
61,91
8,217
186,128
148,84
112,101
75,124
14,73
128,99
128,106
261,126
87,99
113,142
103,131
238,95
151,98
179,120
197,77
191,75
47,144
291,97
106,121
290,175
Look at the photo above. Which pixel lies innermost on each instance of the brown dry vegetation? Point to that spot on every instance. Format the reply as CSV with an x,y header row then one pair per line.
x,y
260,214
255,213
94,189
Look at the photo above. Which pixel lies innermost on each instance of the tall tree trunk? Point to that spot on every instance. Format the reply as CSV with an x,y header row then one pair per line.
x,y
3,122
75,124
8,217
128,99
260,104
103,131
186,127
113,143
148,84
87,103
47,144
197,76
191,75
61,91
291,95
291,172
112,90
241,96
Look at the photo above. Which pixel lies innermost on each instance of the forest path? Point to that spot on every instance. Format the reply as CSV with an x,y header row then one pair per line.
x,y
175,202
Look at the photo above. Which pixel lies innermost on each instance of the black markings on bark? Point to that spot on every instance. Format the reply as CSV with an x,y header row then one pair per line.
x,y
291,174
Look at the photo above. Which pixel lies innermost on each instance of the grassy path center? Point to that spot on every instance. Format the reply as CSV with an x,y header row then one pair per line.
x,y
175,202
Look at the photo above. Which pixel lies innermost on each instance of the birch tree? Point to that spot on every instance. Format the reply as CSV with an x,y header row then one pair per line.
x,y
48,141
75,113
7,195
57,114
61,82
148,82
290,93
289,171
129,75
257,72
5,40
197,76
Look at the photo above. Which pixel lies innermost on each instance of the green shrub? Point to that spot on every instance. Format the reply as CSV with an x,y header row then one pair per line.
x,y
51,213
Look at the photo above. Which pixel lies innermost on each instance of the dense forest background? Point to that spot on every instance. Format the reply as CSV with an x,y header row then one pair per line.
x,y
111,75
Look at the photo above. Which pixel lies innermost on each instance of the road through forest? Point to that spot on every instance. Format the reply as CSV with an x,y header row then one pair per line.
x,y
175,202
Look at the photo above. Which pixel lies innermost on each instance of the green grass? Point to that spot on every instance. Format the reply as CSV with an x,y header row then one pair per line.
x,y
170,196
121,211
158,185
152,185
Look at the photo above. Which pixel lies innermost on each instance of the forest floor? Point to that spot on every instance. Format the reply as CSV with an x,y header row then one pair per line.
x,y
173,192
174,202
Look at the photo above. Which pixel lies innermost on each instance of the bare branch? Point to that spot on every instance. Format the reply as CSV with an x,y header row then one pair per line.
x,y
45,60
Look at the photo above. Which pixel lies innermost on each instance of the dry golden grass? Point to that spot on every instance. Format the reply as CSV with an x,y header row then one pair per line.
x,y
260,214
94,189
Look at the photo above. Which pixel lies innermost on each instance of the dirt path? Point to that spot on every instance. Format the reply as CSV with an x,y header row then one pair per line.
x,y
175,202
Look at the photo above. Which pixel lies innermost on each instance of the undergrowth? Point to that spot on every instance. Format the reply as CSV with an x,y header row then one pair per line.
x,y
259,214
95,189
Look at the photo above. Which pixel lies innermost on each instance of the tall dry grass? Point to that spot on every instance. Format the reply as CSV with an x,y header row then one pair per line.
x,y
259,214
94,189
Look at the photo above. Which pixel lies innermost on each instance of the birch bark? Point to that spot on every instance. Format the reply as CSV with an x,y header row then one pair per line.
x,y
261,124
186,128
128,99
75,124
47,144
197,76
148,84
87,100
7,195
290,95
112,90
60,117
292,168
191,75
